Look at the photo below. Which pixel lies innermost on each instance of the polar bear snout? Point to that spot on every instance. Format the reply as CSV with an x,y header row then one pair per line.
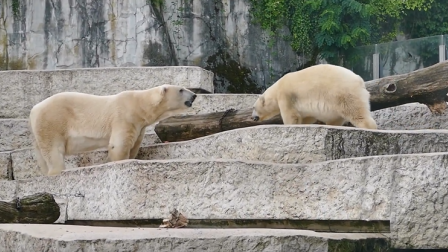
x,y
189,103
255,116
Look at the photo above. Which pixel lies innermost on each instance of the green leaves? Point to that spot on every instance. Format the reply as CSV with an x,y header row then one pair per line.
x,y
330,26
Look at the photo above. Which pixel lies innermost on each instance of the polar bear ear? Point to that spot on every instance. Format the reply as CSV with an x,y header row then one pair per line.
x,y
163,90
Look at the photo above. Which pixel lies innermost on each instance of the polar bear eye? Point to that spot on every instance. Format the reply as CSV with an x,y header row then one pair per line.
x,y
180,91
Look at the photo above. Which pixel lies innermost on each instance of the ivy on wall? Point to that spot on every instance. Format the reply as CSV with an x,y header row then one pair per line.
x,y
15,5
330,28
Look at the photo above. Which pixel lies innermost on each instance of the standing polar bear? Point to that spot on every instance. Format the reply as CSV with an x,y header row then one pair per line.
x,y
68,123
327,93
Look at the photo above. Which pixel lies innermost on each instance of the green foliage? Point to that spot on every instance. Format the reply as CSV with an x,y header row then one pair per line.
x,y
423,23
332,27
426,22
156,3
15,8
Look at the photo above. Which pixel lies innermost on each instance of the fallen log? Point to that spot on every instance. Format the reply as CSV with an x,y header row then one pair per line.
x,y
39,208
428,86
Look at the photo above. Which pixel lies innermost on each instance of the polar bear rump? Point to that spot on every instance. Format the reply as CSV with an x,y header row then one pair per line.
x,y
69,123
331,94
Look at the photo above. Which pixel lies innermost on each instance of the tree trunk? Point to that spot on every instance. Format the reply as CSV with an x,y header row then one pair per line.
x,y
428,86
39,208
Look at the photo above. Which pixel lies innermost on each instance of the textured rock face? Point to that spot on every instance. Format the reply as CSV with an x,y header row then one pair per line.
x,y
99,239
217,35
343,190
14,133
419,208
21,90
5,165
411,116
270,143
408,190
7,190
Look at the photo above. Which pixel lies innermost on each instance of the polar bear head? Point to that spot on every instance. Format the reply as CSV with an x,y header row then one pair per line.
x,y
265,108
175,97
169,100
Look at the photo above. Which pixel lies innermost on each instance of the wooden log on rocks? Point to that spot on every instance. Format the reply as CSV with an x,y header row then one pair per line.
x,y
39,208
428,86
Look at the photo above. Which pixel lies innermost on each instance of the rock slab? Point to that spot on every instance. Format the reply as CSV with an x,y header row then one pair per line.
x,y
400,188
268,143
14,133
54,238
21,90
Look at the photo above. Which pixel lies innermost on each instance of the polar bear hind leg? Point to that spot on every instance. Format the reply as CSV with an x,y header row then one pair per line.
x,y
40,159
53,154
356,111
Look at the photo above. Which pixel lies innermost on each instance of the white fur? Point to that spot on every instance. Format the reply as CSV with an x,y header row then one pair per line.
x,y
327,93
70,122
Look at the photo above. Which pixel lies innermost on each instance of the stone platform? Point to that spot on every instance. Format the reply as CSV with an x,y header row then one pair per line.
x,y
407,190
14,133
21,90
104,239
389,180
268,143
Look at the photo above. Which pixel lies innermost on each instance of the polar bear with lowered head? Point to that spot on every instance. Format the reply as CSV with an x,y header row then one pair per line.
x,y
331,94
69,123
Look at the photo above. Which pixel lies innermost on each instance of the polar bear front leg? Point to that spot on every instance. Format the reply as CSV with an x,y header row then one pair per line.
x,y
289,114
136,147
120,144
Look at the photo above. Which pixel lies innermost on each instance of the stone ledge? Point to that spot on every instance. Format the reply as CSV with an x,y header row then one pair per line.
x,y
8,190
14,133
270,143
21,90
5,165
419,204
411,116
85,238
349,189
399,188
223,189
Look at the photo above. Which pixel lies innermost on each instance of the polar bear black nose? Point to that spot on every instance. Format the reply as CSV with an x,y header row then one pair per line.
x,y
256,118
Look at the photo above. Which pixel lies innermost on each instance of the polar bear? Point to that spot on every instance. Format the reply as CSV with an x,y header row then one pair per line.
x,y
331,94
69,123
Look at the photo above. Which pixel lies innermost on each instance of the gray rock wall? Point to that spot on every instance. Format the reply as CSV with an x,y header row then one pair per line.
x,y
217,35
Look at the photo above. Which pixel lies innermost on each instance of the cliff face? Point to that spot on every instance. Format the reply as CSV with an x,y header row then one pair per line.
x,y
217,35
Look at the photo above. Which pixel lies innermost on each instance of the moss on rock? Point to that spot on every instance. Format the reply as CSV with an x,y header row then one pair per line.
x,y
230,75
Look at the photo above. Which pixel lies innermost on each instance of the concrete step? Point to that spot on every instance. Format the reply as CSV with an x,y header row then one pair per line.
x,y
21,90
408,190
269,143
22,237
